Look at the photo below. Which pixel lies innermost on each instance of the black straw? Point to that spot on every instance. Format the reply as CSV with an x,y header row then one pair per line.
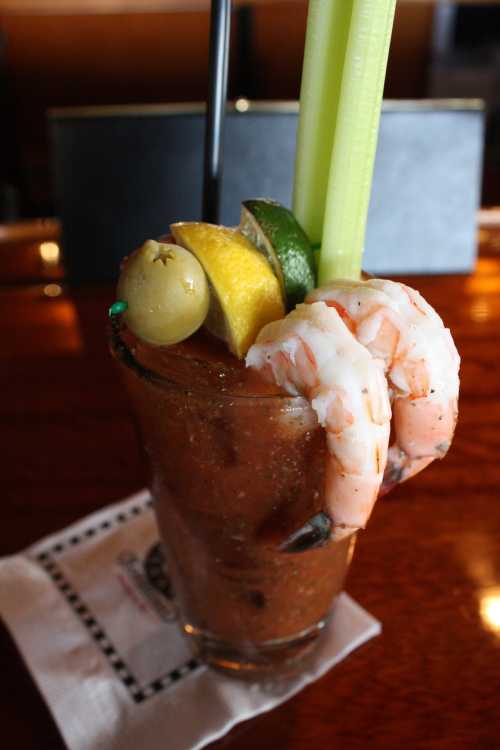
x,y
220,23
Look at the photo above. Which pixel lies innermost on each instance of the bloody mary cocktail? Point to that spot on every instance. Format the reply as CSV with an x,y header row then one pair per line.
x,y
236,464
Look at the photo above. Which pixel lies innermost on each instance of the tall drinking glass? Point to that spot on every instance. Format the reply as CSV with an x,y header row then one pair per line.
x,y
235,466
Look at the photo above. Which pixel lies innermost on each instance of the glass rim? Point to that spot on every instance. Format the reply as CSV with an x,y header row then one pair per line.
x,y
123,354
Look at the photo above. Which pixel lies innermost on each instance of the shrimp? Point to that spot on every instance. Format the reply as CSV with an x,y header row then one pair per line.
x,y
312,353
399,328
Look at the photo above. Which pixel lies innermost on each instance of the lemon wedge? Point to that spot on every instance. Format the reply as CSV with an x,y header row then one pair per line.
x,y
245,292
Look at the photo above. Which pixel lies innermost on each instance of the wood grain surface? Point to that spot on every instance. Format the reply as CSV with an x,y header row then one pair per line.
x,y
428,565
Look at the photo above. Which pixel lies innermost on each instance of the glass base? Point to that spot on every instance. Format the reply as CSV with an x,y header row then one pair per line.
x,y
247,660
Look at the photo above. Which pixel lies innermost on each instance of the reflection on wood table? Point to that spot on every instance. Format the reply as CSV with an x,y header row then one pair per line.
x,y
428,565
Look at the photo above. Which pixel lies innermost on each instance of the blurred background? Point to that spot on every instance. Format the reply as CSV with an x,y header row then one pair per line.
x,y
60,53
86,53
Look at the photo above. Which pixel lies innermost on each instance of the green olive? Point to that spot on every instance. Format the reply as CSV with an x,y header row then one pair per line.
x,y
166,291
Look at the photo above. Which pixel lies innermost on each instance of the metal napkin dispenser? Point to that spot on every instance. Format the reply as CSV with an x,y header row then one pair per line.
x,y
123,174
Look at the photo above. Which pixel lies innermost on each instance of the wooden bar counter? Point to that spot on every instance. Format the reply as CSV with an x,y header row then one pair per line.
x,y
428,566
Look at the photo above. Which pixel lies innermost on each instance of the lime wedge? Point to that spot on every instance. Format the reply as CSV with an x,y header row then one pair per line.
x,y
245,292
275,231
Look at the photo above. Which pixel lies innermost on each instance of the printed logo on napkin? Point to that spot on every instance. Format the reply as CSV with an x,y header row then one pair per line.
x,y
121,593
146,582
91,609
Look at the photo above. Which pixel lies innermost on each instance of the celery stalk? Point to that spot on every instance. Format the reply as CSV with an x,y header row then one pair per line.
x,y
325,48
355,139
